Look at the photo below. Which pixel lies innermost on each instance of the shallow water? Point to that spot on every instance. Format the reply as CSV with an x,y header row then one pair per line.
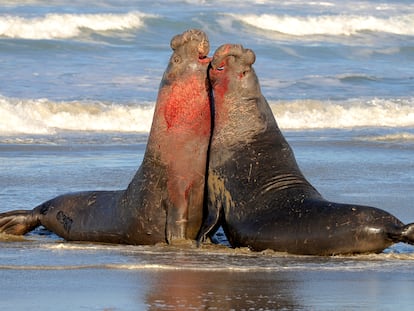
x,y
59,274
103,277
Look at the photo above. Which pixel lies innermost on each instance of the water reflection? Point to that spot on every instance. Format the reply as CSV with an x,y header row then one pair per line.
x,y
226,290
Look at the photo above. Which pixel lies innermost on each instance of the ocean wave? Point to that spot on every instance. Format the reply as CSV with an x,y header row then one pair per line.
x,y
45,117
329,24
395,137
63,26
42,116
314,114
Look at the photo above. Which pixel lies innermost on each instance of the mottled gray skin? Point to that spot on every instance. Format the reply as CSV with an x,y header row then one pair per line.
x,y
164,201
256,190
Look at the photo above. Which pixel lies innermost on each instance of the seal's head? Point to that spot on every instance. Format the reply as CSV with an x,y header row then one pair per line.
x,y
232,72
190,50
240,110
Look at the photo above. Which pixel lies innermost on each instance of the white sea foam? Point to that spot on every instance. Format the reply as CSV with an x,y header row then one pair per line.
x,y
58,26
329,24
42,116
313,114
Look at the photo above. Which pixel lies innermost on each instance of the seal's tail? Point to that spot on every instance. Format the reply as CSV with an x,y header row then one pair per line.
x,y
18,222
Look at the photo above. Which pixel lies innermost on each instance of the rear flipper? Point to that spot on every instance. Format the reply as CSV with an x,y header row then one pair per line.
x,y
407,234
210,224
403,234
18,222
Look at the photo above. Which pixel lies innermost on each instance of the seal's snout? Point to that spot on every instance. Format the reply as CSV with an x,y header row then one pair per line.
x,y
242,56
203,47
194,41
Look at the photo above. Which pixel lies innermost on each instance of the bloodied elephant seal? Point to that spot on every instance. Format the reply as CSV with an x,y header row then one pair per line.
x,y
163,202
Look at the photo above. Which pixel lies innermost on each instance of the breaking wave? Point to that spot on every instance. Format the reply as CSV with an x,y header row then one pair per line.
x,y
313,114
62,26
43,117
329,24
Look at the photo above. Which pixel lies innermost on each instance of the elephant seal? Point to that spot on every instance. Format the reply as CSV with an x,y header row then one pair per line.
x,y
256,190
164,200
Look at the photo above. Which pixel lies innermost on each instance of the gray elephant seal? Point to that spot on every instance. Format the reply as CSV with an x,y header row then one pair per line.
x,y
256,190
164,201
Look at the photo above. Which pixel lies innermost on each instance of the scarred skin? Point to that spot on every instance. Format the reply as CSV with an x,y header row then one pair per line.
x,y
256,190
164,201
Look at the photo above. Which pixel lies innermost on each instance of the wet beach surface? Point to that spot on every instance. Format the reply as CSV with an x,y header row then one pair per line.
x,y
44,271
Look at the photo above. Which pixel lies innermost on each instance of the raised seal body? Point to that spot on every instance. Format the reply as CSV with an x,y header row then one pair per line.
x,y
163,202
256,190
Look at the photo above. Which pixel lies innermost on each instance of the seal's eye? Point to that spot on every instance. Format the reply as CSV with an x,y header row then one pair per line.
x,y
220,68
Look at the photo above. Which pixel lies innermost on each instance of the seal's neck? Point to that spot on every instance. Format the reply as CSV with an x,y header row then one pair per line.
x,y
236,119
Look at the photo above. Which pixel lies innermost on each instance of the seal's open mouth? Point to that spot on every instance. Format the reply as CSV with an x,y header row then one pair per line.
x,y
204,58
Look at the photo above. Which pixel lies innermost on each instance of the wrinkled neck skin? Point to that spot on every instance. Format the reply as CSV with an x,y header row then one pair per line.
x,y
246,136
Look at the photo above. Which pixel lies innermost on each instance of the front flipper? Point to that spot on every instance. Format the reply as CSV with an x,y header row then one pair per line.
x,y
18,222
211,222
176,225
